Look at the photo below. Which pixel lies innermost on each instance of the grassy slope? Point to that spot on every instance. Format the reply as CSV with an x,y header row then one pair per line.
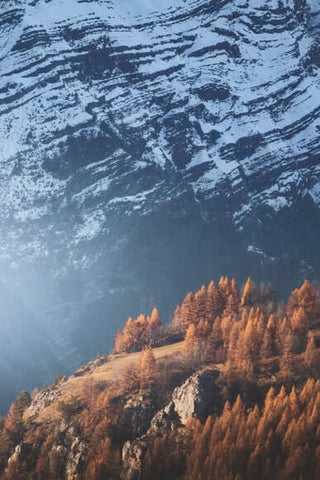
x,y
76,385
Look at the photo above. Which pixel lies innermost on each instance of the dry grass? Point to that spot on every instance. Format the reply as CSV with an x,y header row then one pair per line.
x,y
76,386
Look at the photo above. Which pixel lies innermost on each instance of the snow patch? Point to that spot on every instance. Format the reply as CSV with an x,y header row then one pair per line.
x,y
92,225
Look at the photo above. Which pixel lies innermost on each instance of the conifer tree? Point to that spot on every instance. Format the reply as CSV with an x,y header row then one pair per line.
x,y
147,367
312,355
13,425
247,299
305,297
22,402
268,346
200,304
287,361
299,324
213,301
190,343
216,342
176,320
155,321
187,311
232,300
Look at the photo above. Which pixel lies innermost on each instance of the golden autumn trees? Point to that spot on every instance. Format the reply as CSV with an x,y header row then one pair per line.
x,y
299,325
141,374
268,347
247,299
256,432
199,342
11,434
154,320
187,311
104,464
312,354
147,368
207,303
306,297
280,440
286,364
13,425
245,335
138,333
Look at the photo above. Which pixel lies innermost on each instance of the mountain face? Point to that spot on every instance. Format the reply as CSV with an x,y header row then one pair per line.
x,y
148,145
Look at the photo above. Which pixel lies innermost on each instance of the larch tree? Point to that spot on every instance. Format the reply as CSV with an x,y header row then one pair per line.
x,y
214,302
307,298
230,294
22,402
155,321
190,342
312,354
299,324
201,304
286,363
147,367
216,341
13,425
268,346
247,299
176,320
187,311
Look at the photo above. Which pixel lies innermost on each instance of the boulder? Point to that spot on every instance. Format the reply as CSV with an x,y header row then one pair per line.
x,y
197,397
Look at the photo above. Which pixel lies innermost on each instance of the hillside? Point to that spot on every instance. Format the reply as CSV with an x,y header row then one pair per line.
x,y
238,398
141,136
101,371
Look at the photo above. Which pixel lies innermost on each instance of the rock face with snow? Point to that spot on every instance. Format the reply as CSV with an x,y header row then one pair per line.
x,y
147,143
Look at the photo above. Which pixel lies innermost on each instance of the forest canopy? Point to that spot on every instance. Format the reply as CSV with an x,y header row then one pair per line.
x,y
263,421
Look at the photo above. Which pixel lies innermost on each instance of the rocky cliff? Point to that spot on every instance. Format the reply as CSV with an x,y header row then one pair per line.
x,y
197,398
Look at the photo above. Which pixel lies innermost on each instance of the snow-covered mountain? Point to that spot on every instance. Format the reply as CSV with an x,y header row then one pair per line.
x,y
150,145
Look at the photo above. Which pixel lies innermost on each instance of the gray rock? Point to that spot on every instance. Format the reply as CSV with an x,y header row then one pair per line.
x,y
42,400
75,459
132,457
197,397
21,453
138,414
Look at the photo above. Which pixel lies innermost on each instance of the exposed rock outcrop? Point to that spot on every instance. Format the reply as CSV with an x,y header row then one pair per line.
x,y
21,452
42,400
75,458
197,397
139,411
132,457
